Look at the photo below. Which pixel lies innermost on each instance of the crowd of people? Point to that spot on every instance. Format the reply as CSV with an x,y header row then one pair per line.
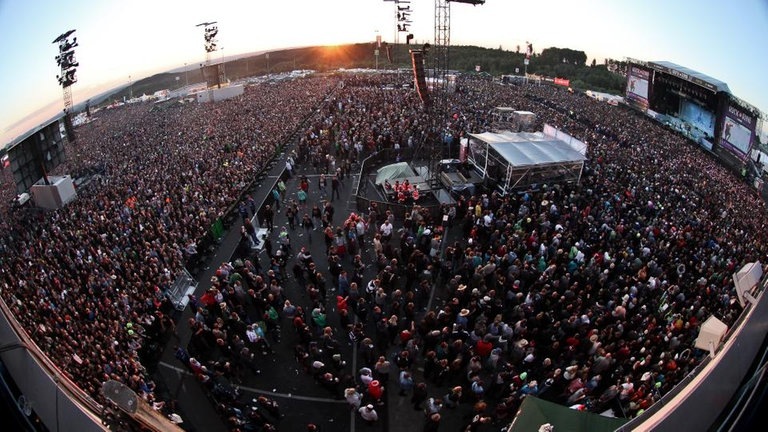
x,y
588,295
88,281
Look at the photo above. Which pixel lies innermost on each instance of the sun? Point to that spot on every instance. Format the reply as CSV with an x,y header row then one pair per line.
x,y
336,55
333,52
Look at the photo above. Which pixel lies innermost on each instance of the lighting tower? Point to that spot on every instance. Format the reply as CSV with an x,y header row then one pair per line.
x,y
442,43
210,31
441,63
67,63
403,22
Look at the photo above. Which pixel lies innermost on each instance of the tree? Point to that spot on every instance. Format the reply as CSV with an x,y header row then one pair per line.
x,y
594,62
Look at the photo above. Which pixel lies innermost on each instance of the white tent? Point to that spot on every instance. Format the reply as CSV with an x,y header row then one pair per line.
x,y
522,160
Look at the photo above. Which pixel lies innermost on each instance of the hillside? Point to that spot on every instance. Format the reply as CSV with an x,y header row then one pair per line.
x,y
559,62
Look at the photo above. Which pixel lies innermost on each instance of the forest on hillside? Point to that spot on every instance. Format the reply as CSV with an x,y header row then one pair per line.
x,y
551,62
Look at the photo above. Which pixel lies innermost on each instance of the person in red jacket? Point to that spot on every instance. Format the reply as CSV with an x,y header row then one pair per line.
x,y
483,348
209,298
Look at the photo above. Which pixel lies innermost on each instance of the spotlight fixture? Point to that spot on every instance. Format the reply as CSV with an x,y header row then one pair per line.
x,y
209,35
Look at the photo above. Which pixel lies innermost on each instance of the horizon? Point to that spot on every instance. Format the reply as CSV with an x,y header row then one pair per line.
x,y
713,40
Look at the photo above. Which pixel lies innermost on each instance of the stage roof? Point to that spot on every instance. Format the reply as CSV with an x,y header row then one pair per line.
x,y
695,76
527,149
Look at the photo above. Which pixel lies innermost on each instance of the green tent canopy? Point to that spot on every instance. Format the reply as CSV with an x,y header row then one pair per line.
x,y
397,171
536,412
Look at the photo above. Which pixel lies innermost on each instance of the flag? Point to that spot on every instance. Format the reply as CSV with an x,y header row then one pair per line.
x,y
528,50
5,162
477,68
378,41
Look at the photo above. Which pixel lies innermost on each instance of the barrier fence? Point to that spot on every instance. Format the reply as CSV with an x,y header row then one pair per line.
x,y
183,285
363,198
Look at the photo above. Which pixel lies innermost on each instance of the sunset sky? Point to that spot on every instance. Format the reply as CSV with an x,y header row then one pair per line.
x,y
119,39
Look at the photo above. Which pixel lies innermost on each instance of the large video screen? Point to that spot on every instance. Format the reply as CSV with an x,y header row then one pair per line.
x,y
698,116
637,86
738,131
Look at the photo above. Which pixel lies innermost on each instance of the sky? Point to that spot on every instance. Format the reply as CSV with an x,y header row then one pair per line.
x,y
122,41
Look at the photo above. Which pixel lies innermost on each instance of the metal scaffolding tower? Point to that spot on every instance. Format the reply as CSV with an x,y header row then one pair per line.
x,y
440,60
442,42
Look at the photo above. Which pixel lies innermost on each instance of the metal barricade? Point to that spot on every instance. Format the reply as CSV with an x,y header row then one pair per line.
x,y
179,291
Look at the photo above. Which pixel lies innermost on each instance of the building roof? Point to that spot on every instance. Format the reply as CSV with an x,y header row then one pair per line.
x,y
32,131
690,75
527,149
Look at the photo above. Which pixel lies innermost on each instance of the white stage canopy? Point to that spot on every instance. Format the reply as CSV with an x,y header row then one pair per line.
x,y
525,148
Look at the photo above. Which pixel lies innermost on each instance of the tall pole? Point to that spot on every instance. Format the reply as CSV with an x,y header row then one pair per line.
x,y
528,55
525,70
186,78
130,88
223,64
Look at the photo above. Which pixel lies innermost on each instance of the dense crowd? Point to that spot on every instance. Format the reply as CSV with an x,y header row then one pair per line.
x,y
88,281
589,295
593,294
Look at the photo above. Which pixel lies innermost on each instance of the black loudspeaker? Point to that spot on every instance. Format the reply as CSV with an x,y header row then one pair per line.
x,y
417,58
69,127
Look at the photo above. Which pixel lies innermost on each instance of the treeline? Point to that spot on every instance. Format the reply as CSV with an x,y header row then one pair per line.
x,y
553,62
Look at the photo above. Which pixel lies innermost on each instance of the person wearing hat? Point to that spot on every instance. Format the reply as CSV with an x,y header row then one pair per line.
x,y
353,397
368,414
462,319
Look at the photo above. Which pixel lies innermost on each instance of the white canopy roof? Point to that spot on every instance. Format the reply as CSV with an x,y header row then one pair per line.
x,y
525,148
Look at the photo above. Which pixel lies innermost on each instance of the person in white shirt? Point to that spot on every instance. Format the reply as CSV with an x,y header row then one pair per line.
x,y
386,231
368,414
366,376
353,397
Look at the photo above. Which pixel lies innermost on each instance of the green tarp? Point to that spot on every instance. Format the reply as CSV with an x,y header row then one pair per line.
x,y
535,412
393,172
